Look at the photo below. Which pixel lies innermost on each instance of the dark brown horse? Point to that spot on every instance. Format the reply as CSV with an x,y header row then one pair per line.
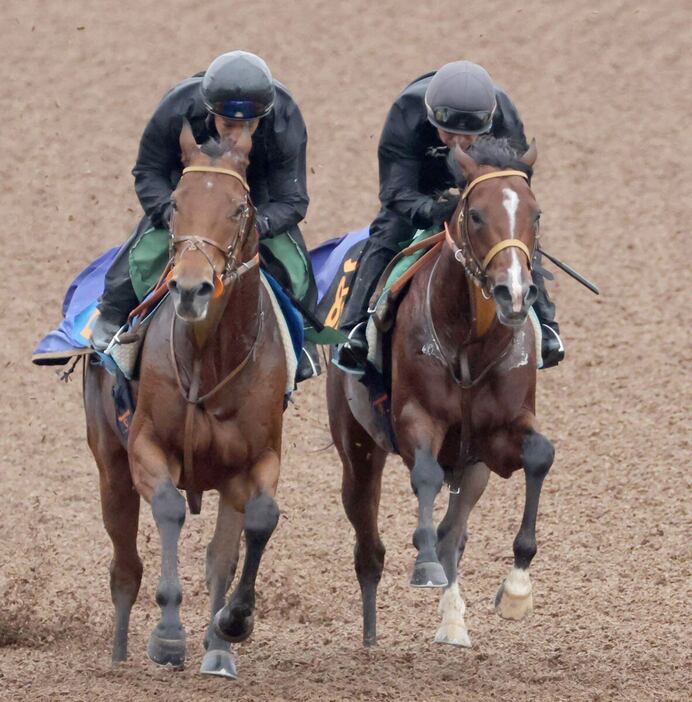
x,y
463,392
209,407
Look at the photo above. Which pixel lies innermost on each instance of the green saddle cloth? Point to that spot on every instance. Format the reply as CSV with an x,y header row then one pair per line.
x,y
405,263
149,257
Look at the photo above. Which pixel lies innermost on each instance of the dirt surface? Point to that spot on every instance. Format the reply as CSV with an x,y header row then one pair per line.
x,y
604,88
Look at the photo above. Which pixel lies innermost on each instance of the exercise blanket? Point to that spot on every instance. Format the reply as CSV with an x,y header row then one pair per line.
x,y
71,337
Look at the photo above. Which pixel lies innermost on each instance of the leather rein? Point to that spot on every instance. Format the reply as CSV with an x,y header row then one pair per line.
x,y
223,284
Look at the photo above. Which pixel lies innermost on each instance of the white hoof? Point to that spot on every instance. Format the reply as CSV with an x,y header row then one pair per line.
x,y
453,628
454,635
514,599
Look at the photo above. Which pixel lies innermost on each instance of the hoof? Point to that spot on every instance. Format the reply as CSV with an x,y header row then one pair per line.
x,y
234,628
168,652
514,599
454,635
219,663
428,575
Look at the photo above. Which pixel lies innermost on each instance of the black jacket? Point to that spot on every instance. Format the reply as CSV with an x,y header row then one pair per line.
x,y
276,174
413,160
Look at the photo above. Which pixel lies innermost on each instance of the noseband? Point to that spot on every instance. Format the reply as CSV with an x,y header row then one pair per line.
x,y
194,242
464,253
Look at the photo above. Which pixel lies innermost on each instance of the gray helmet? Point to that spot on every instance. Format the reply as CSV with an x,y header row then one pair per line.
x,y
238,85
461,98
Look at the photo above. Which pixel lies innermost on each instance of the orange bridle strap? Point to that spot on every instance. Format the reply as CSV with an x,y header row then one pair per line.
x,y
215,169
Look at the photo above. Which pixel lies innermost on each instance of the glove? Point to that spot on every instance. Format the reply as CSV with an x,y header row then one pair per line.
x,y
262,224
443,208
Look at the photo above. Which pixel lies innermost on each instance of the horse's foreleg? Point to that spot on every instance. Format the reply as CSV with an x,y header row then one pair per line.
x,y
426,480
514,599
452,535
167,641
235,621
222,560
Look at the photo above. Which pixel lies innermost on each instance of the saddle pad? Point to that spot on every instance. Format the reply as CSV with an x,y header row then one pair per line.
x,y
289,349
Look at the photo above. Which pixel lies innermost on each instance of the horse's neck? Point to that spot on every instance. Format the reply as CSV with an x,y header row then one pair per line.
x,y
449,301
451,309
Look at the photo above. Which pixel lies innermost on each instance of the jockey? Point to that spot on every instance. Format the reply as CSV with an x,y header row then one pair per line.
x,y
235,93
437,111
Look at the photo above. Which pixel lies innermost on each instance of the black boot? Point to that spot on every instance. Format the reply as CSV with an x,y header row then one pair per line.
x,y
552,348
118,297
309,363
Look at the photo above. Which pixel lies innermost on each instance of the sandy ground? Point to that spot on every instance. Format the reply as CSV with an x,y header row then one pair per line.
x,y
604,88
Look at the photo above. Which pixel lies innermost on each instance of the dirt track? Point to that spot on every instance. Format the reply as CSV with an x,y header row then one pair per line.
x,y
605,90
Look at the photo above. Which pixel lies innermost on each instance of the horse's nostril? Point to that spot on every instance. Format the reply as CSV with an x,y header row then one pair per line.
x,y
172,285
502,294
531,295
205,289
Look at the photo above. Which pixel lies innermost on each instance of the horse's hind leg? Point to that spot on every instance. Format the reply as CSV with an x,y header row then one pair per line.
x,y
363,462
452,535
514,599
120,510
167,641
222,560
235,621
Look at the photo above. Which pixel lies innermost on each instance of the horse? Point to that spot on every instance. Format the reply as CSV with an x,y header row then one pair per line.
x,y
463,379
209,412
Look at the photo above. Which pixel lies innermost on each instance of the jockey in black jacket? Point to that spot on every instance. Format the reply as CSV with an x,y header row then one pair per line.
x,y
236,92
451,106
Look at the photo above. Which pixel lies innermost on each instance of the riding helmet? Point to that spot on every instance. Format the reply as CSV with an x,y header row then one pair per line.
x,y
238,85
461,98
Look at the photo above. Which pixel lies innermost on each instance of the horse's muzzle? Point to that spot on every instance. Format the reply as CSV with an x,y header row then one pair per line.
x,y
191,301
513,305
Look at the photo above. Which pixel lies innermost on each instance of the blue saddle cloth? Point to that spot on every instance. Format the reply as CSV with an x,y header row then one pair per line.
x,y
72,335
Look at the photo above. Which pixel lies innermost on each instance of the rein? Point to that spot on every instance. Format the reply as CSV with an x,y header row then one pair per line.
x,y
223,285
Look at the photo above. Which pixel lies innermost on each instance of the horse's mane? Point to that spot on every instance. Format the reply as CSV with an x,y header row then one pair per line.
x,y
217,148
490,151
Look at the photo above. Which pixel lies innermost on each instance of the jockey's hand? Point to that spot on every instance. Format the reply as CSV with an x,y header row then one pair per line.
x,y
443,208
262,224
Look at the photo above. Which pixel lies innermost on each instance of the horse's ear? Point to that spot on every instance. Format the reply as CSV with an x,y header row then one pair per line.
x,y
188,145
466,163
529,158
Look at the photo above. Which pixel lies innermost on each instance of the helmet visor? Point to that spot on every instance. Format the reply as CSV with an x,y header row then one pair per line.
x,y
239,109
461,121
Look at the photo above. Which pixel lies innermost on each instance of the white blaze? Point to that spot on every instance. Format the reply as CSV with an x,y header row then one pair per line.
x,y
510,202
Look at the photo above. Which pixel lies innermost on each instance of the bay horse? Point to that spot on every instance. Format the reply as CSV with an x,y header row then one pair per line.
x,y
209,412
463,387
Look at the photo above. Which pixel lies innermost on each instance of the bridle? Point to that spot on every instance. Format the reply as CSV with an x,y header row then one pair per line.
x,y
463,252
194,242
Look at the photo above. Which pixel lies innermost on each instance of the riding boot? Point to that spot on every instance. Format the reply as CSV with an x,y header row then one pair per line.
x,y
118,297
552,348
353,354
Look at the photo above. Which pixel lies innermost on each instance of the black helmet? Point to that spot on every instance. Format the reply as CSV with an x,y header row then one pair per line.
x,y
238,85
461,98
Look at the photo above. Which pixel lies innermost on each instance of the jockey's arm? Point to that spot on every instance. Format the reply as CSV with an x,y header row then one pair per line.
x,y
286,176
400,164
158,159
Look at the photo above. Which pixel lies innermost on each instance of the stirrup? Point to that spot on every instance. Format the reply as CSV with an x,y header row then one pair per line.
x,y
555,355
355,370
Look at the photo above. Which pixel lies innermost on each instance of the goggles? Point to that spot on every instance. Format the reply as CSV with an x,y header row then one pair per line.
x,y
461,121
239,109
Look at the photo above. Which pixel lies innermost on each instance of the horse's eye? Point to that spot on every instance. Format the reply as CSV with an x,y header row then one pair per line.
x,y
475,217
